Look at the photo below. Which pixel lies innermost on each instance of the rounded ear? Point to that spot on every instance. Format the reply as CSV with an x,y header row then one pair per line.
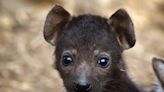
x,y
57,19
123,26
158,66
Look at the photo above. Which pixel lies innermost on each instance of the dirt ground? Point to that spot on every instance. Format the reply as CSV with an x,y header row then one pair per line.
x,y
26,58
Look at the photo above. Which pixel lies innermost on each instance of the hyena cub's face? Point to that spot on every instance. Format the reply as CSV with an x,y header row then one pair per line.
x,y
88,47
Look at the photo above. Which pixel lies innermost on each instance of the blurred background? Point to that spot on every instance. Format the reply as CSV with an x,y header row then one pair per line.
x,y
26,58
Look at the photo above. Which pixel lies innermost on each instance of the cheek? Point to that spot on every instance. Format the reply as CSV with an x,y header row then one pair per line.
x,y
60,69
101,75
66,72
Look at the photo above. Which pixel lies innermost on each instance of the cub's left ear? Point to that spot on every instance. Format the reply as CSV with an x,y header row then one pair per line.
x,y
123,26
57,19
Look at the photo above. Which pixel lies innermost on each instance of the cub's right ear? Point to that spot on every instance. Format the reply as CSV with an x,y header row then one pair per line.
x,y
57,20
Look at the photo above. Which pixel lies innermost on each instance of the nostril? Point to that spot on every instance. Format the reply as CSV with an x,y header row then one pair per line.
x,y
82,86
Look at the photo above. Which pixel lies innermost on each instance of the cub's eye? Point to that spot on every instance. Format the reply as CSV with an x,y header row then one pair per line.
x,y
103,62
66,60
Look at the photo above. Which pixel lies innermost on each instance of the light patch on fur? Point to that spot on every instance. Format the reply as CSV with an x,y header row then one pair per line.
x,y
119,41
84,70
122,70
109,21
160,66
53,40
157,87
73,51
97,52
125,44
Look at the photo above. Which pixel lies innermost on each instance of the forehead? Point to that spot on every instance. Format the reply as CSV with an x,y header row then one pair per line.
x,y
86,32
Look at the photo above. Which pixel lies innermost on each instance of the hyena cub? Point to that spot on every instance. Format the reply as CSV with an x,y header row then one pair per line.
x,y
89,50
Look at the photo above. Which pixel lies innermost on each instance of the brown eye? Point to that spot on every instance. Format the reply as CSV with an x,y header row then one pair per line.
x,y
66,60
103,62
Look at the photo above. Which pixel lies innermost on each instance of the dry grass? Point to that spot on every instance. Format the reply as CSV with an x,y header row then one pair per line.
x,y
26,59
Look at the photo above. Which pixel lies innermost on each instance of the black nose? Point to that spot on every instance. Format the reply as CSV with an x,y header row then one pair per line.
x,y
82,86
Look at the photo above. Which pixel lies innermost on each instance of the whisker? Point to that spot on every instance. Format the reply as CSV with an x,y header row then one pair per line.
x,y
105,90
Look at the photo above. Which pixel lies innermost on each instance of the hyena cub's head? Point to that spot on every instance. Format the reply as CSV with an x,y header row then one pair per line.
x,y
88,47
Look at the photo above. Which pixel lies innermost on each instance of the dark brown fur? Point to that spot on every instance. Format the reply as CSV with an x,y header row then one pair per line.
x,y
86,39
